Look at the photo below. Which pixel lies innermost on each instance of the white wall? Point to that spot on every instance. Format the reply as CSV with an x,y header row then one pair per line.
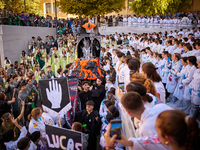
x,y
1,45
14,39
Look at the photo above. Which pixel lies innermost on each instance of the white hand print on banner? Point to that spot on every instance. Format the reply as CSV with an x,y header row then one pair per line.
x,y
54,94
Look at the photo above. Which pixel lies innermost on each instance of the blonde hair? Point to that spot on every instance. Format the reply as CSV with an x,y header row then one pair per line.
x,y
138,77
34,113
5,119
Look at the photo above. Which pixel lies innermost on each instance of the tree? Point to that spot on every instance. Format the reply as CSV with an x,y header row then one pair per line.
x,y
90,7
32,6
159,6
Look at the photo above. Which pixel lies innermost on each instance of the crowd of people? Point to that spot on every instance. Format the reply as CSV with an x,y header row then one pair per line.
x,y
25,19
158,104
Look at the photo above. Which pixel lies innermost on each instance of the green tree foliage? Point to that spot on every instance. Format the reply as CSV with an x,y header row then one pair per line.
x,y
159,6
91,7
32,6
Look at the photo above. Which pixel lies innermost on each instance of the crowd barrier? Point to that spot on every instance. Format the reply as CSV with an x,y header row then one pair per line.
x,y
152,25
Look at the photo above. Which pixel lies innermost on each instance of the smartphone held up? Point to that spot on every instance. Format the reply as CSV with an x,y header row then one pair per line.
x,y
116,128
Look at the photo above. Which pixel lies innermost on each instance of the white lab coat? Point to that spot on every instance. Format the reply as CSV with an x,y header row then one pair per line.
x,y
12,145
165,71
147,143
179,92
171,80
38,125
148,120
160,90
127,76
187,81
195,86
170,49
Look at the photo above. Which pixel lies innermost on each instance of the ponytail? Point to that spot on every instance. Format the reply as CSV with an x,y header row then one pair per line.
x,y
29,117
180,127
150,87
113,110
147,98
192,141
34,113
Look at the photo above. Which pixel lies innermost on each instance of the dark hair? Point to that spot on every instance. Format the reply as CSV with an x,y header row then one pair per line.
x,y
2,96
120,54
184,59
23,143
151,72
113,110
189,47
141,89
177,55
34,136
112,80
23,84
84,82
193,60
90,102
77,126
184,131
8,135
134,64
109,117
132,101
59,70
107,103
112,89
110,97
68,65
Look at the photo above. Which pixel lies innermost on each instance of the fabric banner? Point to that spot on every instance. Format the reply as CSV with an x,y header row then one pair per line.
x,y
73,89
63,139
75,73
55,96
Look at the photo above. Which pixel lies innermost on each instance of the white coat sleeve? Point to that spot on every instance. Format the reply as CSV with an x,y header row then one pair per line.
x,y
150,143
22,135
189,78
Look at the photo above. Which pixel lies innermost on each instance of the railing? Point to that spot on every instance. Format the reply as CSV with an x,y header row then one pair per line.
x,y
150,25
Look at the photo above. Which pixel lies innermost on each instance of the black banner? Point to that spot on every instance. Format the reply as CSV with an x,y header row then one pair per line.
x,y
63,139
55,95
73,88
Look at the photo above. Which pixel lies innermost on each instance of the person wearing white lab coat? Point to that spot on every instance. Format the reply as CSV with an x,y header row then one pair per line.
x,y
165,70
192,61
170,47
134,106
195,93
172,78
129,21
179,90
8,136
37,123
149,70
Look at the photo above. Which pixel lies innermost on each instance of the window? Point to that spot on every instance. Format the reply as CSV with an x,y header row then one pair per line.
x,y
48,8
54,8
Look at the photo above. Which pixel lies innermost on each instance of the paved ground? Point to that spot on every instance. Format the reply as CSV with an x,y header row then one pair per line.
x,y
112,30
121,29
